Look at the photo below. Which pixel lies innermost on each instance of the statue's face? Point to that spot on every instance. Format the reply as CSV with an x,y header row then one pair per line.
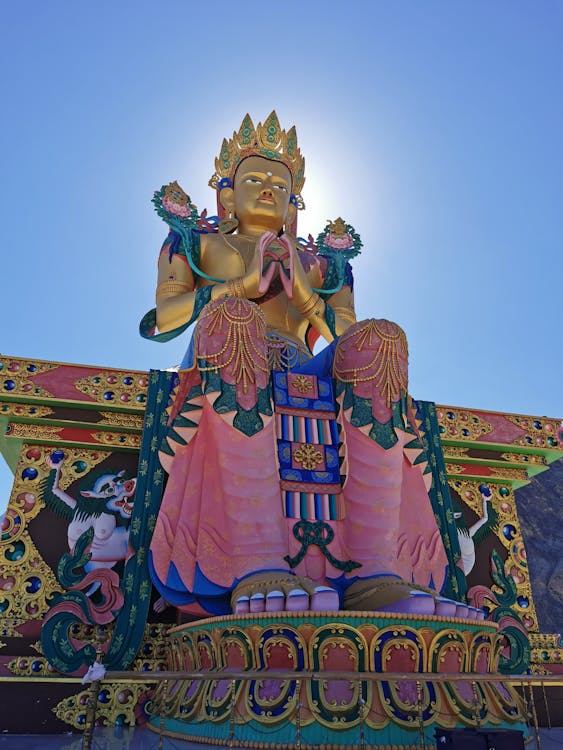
x,y
262,189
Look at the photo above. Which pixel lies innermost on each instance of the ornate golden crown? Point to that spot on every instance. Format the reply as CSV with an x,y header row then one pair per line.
x,y
267,140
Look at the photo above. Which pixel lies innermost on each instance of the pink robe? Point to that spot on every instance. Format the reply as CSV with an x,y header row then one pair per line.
x,y
223,516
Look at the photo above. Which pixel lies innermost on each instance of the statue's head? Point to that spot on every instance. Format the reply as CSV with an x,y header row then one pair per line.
x,y
259,174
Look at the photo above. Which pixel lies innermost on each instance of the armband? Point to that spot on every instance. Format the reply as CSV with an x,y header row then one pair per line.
x,y
171,287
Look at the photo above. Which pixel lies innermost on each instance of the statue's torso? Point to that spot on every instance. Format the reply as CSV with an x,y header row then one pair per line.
x,y
230,258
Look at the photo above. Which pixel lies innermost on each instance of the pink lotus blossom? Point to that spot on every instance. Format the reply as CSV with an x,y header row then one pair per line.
x,y
175,208
340,243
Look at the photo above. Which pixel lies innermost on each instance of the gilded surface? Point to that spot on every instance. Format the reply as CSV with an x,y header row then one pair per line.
x,y
56,435
30,666
540,432
533,433
524,458
117,704
269,140
547,648
16,376
508,473
509,534
128,390
27,411
34,431
119,419
27,583
118,439
461,424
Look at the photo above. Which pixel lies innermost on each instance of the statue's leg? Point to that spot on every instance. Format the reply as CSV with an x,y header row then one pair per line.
x,y
220,518
385,485
221,526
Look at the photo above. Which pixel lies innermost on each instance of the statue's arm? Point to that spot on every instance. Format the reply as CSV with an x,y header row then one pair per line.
x,y
342,304
175,291
330,318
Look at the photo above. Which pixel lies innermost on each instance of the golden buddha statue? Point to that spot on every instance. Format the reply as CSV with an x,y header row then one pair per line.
x,y
292,478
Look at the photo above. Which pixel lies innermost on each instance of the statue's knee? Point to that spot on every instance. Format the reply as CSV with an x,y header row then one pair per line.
x,y
374,351
229,328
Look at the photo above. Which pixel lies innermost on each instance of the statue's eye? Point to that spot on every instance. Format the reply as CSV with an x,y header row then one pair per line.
x,y
253,180
281,187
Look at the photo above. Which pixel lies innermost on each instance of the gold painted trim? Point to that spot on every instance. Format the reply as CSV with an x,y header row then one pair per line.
x,y
401,619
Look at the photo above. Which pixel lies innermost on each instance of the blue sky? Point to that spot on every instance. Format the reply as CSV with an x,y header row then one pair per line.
x,y
433,127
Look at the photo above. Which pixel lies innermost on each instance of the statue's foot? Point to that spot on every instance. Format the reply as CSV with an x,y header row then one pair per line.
x,y
274,592
388,593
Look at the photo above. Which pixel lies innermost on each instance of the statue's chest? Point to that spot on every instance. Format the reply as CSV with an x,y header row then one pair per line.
x,y
223,262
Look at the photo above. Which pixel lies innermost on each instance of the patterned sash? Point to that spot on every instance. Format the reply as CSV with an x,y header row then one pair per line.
x,y
308,447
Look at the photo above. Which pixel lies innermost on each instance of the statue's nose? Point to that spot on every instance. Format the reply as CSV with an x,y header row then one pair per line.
x,y
267,193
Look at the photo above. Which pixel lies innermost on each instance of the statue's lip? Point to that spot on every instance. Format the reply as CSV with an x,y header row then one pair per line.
x,y
265,199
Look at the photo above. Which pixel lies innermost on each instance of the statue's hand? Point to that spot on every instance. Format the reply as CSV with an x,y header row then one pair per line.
x,y
276,256
301,287
253,277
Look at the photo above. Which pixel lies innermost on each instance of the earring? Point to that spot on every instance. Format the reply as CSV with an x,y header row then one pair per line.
x,y
228,225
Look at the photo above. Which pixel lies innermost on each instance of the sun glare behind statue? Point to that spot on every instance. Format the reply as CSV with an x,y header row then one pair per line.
x,y
327,198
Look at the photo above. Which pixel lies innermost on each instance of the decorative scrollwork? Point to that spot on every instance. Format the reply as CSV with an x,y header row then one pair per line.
x,y
118,703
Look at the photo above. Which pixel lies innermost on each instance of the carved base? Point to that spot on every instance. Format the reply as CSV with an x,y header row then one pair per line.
x,y
271,713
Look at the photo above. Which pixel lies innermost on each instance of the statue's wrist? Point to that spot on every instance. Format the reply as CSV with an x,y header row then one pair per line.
x,y
311,307
230,288
236,288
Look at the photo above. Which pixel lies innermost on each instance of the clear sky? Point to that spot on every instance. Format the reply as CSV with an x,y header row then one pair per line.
x,y
435,128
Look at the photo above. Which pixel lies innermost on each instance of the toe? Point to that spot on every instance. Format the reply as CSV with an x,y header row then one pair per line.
x,y
297,601
445,607
242,605
462,611
416,603
257,603
325,599
275,601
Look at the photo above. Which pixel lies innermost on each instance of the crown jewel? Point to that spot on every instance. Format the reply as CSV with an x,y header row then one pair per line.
x,y
268,140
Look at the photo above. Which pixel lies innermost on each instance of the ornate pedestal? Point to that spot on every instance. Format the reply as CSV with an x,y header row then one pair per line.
x,y
272,713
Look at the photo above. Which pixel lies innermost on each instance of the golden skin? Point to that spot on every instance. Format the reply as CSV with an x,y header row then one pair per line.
x,y
260,199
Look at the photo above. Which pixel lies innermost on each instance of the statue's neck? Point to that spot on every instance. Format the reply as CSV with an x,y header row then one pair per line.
x,y
255,231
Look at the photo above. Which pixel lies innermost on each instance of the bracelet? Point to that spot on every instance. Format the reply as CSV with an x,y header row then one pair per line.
x,y
312,306
235,288
172,287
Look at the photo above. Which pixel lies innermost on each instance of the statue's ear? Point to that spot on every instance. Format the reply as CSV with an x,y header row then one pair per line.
x,y
227,199
291,211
